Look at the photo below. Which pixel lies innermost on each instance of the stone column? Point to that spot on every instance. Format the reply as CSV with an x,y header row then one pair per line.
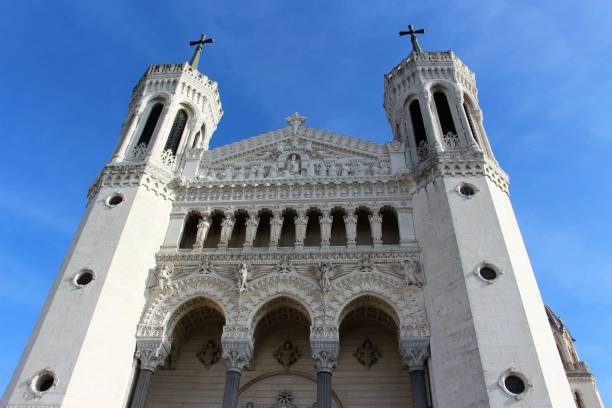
x,y
325,221
469,137
203,228
350,223
151,354
325,354
300,228
433,136
376,227
237,353
227,226
414,353
251,229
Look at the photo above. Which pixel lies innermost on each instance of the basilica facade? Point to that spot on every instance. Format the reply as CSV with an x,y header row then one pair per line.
x,y
299,267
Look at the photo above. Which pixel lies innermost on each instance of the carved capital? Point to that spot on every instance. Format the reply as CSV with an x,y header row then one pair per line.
x,y
414,352
237,351
152,353
325,354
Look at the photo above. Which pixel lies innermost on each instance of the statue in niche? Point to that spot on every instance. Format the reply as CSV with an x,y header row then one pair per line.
x,y
350,221
376,169
243,275
276,223
251,229
293,164
343,170
376,225
332,170
273,173
209,354
203,227
411,271
310,169
326,222
300,227
287,354
227,226
257,172
367,354
240,174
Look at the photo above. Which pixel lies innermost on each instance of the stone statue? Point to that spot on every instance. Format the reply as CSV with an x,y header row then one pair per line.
x,y
410,270
209,354
343,170
287,354
324,272
376,169
243,274
227,226
163,276
276,223
203,227
240,174
273,173
293,165
350,222
300,227
376,225
332,171
251,229
367,354
326,223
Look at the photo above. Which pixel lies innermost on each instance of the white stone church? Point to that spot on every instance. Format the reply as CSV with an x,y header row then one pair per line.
x,y
301,267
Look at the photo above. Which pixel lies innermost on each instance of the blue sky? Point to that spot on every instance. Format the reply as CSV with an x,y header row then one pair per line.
x,y
543,71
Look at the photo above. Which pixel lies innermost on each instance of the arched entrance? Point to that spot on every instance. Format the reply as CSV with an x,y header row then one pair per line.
x,y
194,371
369,372
282,370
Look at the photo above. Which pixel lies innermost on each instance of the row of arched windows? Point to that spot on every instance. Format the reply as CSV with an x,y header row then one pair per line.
x,y
337,227
176,132
444,116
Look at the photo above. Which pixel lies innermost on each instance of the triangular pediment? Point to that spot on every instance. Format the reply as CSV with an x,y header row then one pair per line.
x,y
295,151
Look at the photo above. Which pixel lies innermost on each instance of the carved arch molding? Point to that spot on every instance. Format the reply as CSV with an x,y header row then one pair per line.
x,y
211,283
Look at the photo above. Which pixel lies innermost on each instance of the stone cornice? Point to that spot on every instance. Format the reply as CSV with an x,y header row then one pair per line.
x,y
152,177
456,163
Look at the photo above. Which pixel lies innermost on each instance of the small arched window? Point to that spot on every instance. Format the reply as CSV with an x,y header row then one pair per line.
x,y
149,127
444,113
418,126
578,398
176,133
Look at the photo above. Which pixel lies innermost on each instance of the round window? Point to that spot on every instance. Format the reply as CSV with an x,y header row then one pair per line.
x,y
114,200
467,190
515,384
84,278
42,381
487,272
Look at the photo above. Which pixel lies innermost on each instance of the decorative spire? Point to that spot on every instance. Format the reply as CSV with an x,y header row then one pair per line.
x,y
195,60
413,38
295,121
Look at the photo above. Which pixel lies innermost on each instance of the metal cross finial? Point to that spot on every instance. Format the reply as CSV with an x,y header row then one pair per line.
x,y
295,121
413,38
195,60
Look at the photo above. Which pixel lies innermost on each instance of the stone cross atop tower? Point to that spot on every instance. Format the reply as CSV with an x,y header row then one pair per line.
x,y
413,38
296,120
195,60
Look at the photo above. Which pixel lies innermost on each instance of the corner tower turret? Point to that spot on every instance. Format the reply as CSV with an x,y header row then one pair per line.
x,y
173,108
490,342
431,102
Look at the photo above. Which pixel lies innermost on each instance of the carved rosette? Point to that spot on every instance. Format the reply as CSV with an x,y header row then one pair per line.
x,y
414,352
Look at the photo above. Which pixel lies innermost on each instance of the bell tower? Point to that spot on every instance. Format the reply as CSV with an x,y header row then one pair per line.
x,y
81,350
490,343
